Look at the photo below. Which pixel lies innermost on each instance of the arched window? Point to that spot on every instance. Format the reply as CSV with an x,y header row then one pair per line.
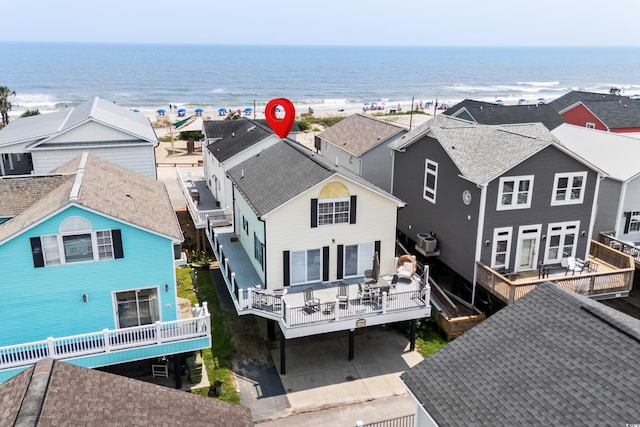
x,y
334,204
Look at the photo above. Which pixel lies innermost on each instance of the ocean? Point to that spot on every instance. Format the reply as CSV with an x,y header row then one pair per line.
x,y
50,76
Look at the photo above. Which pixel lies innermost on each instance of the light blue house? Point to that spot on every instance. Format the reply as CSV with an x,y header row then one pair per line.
x,y
88,257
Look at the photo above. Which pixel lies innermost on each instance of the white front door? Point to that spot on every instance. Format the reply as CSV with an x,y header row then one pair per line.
x,y
528,245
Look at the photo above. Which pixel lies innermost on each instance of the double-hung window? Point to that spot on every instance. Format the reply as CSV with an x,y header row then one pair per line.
x,y
562,238
634,222
430,180
333,211
515,192
569,188
258,250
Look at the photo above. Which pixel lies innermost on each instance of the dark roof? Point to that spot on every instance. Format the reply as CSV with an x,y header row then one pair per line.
x,y
551,358
487,113
615,111
58,393
235,138
277,174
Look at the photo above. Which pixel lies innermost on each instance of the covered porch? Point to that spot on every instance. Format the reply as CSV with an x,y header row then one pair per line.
x,y
611,278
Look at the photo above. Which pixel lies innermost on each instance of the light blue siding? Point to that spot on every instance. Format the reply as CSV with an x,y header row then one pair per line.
x,y
36,303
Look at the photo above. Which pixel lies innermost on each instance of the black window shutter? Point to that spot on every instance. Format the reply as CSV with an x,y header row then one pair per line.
x,y
285,268
314,213
340,262
352,210
325,264
376,246
116,237
177,251
36,250
627,222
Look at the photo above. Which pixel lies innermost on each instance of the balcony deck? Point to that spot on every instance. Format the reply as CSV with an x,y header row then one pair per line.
x,y
408,300
202,205
612,279
108,347
629,248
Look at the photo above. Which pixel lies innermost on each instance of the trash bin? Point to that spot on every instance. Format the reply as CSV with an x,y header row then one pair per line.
x,y
216,389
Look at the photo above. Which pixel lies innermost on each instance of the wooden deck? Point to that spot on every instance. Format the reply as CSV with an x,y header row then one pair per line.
x,y
612,279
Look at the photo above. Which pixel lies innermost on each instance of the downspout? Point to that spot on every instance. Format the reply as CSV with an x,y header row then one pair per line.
x,y
481,214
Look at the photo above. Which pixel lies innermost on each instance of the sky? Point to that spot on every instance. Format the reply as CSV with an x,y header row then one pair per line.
x,y
327,22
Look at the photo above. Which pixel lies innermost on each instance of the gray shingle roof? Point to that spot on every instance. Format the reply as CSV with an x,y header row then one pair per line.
x,y
56,393
615,111
358,133
236,136
106,188
44,126
276,175
20,192
481,152
551,358
487,113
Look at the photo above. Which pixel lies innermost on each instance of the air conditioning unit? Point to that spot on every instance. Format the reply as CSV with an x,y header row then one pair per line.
x,y
430,243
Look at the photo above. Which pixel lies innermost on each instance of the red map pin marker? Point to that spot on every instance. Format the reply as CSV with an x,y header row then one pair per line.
x,y
281,127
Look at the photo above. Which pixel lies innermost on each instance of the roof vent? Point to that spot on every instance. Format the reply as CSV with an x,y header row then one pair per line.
x,y
241,173
251,128
233,134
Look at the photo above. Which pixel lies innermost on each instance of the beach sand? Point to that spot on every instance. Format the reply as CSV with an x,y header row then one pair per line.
x,y
319,110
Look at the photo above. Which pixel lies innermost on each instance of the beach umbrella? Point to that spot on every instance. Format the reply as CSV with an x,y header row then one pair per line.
x,y
540,99
248,110
136,111
161,111
522,101
199,110
498,101
182,110
222,110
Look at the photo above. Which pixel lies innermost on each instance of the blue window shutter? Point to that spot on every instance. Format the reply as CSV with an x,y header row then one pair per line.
x,y
286,278
340,263
352,210
36,250
314,213
116,237
325,264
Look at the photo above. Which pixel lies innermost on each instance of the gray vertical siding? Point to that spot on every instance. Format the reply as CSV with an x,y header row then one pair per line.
x,y
608,200
449,217
376,166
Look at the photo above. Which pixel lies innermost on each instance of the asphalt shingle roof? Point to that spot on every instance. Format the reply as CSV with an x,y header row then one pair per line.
x,y
106,188
552,358
487,113
20,192
56,393
358,133
615,111
481,152
235,136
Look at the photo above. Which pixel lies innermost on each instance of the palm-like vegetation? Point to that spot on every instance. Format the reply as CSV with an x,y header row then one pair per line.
x,y
5,105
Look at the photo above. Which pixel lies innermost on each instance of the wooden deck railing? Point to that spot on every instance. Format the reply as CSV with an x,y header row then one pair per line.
x,y
593,284
621,246
106,341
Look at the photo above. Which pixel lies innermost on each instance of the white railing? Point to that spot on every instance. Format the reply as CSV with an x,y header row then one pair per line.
x,y
107,341
215,217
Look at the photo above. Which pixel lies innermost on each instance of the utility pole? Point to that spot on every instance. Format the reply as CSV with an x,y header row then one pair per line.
x,y
254,109
411,114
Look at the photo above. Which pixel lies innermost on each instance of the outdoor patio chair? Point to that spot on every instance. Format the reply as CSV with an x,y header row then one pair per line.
x,y
310,303
572,264
343,295
365,293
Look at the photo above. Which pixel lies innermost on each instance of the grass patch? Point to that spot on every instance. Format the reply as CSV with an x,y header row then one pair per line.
x,y
217,359
306,123
428,337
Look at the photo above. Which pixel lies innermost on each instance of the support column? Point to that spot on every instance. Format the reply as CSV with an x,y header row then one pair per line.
x,y
177,370
271,330
412,347
352,337
283,368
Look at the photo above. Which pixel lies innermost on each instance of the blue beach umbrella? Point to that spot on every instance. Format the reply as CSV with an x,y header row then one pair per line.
x,y
161,111
222,110
498,101
136,111
182,110
522,100
199,110
248,110
541,100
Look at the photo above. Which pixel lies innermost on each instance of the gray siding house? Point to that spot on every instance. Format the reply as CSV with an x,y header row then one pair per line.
x,y
507,196
360,144
39,144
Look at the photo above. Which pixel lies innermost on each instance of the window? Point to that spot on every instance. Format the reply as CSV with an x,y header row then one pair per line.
x,y
333,212
430,180
305,266
590,125
568,188
258,250
136,308
634,222
357,259
76,242
501,247
515,192
562,238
